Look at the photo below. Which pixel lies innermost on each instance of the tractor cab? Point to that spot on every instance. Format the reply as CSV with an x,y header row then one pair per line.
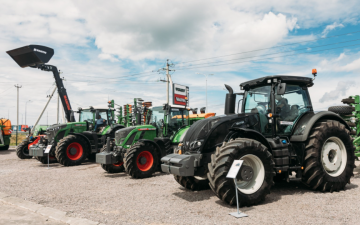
x,y
92,115
168,119
279,102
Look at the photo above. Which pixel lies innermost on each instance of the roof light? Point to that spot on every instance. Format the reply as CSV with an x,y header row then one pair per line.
x,y
269,81
274,80
314,71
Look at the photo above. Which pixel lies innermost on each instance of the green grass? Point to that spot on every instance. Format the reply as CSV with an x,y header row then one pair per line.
x,y
21,137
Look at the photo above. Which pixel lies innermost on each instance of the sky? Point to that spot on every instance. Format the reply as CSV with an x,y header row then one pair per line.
x,y
113,50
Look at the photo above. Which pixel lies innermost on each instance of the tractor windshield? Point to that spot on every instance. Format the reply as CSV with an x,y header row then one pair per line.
x,y
258,101
178,117
86,115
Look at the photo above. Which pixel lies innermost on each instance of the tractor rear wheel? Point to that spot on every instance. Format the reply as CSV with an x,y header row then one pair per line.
x,y
71,150
112,168
22,150
255,155
5,147
193,183
141,160
329,157
342,110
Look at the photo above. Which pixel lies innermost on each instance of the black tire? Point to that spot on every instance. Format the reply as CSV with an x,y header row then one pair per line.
x,y
52,158
5,147
342,110
132,161
112,168
315,175
63,153
192,183
221,162
22,150
92,157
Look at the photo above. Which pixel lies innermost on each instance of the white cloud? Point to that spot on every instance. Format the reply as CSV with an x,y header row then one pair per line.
x,y
340,91
331,27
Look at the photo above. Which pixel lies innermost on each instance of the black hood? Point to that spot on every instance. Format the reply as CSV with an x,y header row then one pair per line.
x,y
204,135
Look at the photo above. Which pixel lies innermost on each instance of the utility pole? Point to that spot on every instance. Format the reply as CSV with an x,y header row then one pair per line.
x,y
206,77
17,114
168,78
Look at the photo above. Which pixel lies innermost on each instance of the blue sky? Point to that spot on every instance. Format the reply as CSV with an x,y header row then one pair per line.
x,y
100,47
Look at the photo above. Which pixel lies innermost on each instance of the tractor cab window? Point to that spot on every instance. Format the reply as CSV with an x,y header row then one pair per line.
x,y
290,106
257,100
157,119
176,119
104,115
86,115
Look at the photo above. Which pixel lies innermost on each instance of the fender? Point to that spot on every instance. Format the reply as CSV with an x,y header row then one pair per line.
x,y
302,129
162,151
253,134
81,135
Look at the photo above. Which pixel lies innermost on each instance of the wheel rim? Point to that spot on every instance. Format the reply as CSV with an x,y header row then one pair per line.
x,y
253,185
74,151
333,156
144,161
118,164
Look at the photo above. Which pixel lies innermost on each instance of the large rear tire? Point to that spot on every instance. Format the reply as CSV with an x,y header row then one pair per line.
x,y
254,155
329,157
112,168
22,150
193,183
141,160
72,150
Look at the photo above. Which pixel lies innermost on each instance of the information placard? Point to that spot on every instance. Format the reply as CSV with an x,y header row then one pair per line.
x,y
47,150
234,169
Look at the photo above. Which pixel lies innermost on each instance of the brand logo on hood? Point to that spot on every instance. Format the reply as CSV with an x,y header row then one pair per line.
x,y
38,50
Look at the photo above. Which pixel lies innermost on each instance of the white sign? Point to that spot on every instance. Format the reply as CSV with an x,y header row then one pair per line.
x,y
180,95
47,150
234,169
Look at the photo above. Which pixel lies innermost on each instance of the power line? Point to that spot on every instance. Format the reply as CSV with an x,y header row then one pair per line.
x,y
190,67
318,46
278,46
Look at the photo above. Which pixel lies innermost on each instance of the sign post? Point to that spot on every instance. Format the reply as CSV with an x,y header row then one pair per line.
x,y
234,170
47,151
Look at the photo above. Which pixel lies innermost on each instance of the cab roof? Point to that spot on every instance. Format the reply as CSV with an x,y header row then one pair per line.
x,y
302,81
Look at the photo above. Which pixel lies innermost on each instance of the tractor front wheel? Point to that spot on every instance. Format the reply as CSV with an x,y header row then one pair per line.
x,y
71,150
112,168
141,160
193,183
254,155
329,157
22,150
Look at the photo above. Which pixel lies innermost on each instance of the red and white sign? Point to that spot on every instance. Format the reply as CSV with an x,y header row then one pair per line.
x,y
180,95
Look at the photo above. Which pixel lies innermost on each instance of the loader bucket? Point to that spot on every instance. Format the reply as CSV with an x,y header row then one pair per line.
x,y
31,55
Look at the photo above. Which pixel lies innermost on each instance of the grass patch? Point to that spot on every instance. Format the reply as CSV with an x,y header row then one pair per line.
x,y
21,137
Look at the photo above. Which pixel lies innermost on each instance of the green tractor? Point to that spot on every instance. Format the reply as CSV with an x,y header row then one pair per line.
x,y
139,148
5,134
351,114
73,142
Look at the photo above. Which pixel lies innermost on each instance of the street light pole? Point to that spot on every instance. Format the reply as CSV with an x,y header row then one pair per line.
x,y
206,77
26,109
17,117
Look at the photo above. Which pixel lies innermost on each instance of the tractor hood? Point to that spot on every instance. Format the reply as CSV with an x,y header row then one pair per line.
x,y
205,135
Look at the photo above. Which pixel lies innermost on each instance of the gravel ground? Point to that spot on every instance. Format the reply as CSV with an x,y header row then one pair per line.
x,y
88,191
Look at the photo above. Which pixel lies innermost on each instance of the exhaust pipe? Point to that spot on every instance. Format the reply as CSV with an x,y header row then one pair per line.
x,y
230,101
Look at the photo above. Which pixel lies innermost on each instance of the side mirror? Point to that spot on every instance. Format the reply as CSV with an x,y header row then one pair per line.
x,y
281,89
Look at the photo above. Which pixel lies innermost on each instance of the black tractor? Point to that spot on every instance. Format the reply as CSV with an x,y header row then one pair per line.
x,y
277,135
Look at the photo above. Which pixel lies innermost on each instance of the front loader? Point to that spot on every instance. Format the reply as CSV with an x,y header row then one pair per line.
x,y
277,135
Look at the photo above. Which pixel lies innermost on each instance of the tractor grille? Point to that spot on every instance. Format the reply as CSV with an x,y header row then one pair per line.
x,y
121,134
52,131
